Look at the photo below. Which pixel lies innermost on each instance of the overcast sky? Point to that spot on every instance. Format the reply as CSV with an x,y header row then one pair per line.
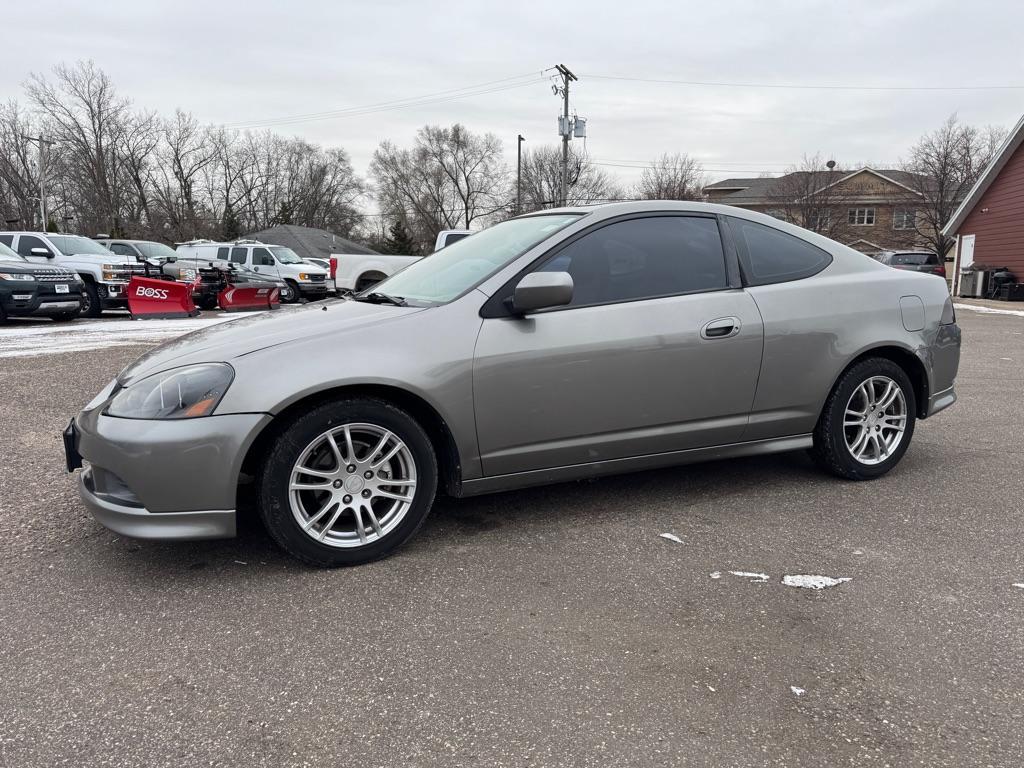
x,y
229,61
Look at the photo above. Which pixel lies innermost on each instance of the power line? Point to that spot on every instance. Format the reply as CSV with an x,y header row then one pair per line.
x,y
803,87
438,97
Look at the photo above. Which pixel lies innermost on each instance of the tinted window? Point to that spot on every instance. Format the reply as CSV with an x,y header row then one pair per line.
x,y
454,237
7,240
237,255
771,256
643,258
261,257
223,251
915,259
121,249
27,242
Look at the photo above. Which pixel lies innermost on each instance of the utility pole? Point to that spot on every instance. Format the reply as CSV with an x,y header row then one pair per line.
x,y
567,77
43,143
519,174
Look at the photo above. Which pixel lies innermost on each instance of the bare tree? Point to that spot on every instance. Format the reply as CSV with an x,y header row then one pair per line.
x,y
18,174
946,163
808,195
672,177
542,179
82,111
450,178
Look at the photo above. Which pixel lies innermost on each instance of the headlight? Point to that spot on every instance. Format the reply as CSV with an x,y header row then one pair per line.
x,y
180,393
15,276
303,276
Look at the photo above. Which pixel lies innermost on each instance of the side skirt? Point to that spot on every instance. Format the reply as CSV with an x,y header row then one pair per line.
x,y
632,464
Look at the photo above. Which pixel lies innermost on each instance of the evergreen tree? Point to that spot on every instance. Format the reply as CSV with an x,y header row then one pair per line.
x,y
400,241
231,227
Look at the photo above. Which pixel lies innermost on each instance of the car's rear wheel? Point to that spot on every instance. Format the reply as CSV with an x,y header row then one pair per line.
x,y
868,421
348,482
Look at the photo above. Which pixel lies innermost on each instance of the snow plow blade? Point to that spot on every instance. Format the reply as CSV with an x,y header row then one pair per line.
x,y
248,297
149,298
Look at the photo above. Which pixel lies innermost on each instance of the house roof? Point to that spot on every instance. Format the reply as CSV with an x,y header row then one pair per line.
x,y
307,241
760,190
1002,156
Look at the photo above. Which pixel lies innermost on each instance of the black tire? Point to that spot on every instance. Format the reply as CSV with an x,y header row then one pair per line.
x,y
368,280
830,451
91,301
207,302
293,293
274,477
64,317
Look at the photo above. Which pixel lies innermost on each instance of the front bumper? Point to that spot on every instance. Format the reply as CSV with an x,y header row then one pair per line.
x,y
313,289
39,300
173,479
140,523
113,295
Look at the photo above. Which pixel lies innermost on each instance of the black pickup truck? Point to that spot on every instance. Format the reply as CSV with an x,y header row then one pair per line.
x,y
33,290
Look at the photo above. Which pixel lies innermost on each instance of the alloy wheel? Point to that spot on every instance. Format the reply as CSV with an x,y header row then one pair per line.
x,y
875,420
352,485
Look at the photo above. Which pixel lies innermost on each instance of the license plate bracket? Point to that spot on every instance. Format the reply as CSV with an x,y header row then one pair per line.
x,y
71,454
60,288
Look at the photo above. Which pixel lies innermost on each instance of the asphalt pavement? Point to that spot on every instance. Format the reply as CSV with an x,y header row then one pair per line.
x,y
548,627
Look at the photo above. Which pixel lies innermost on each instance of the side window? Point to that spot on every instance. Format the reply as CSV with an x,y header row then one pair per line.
x,y
643,258
261,257
27,242
223,253
122,249
769,255
237,255
7,240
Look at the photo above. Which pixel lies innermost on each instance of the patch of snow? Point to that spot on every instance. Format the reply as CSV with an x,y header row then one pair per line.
x,y
809,581
797,691
57,338
1019,585
716,574
755,577
990,310
1006,358
710,688
671,537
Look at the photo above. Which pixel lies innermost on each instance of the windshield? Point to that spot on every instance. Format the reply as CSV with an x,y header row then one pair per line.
x,y
6,254
70,245
916,259
156,250
286,255
452,271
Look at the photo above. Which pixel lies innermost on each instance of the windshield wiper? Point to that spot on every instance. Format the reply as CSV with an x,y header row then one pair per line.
x,y
375,297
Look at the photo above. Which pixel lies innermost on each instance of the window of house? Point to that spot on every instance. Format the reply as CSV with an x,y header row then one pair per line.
x,y
768,255
904,218
819,219
862,217
643,259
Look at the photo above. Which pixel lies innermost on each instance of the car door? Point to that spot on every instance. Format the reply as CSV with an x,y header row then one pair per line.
x,y
263,261
26,243
658,351
126,249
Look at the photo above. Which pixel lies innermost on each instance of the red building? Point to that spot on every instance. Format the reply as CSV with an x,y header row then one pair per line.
x,y
989,224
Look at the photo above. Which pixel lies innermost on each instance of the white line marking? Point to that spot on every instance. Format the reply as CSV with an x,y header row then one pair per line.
x,y
990,310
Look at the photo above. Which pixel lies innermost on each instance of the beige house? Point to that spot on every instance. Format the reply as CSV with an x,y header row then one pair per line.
x,y
868,209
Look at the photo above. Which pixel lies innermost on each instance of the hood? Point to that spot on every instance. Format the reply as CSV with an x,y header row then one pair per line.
x,y
311,325
17,267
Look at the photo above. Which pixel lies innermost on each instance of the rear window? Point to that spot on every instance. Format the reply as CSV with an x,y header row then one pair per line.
x,y
914,259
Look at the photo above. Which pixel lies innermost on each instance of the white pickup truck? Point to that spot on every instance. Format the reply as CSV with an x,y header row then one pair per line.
x,y
354,272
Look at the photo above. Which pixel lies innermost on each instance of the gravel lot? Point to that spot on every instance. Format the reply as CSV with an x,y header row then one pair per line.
x,y
540,628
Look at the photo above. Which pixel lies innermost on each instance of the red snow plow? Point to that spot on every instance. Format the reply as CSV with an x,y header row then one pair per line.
x,y
239,297
159,298
160,295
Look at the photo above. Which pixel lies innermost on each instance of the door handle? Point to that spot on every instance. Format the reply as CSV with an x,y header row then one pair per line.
x,y
722,328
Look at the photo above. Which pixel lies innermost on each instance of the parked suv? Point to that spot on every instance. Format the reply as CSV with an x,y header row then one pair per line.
x,y
302,280
148,251
914,261
28,290
105,275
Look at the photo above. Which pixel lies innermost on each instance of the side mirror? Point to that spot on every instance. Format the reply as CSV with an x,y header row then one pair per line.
x,y
540,290
41,252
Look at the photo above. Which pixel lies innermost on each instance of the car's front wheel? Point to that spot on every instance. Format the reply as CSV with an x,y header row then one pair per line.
x,y
868,421
91,306
348,482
